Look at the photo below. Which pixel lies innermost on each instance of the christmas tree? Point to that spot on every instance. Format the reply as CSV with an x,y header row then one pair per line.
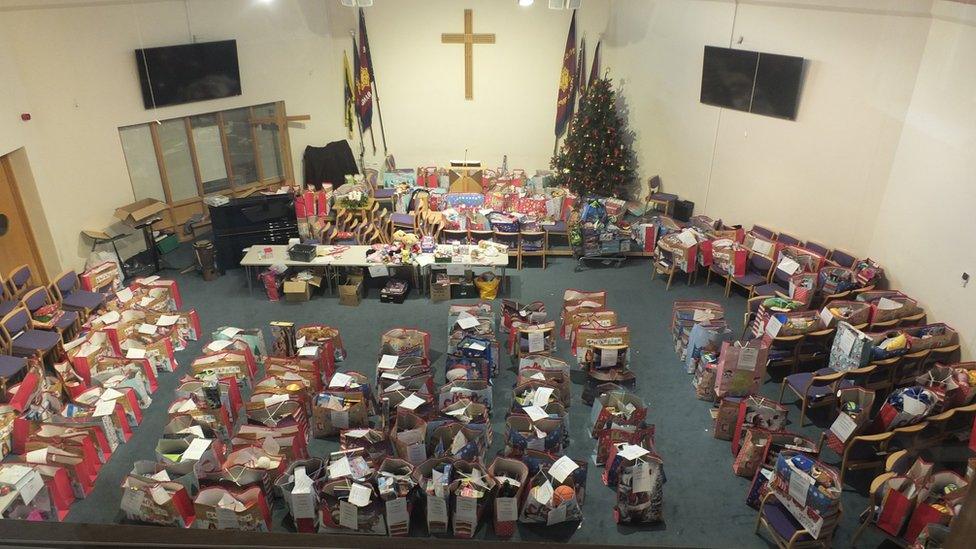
x,y
595,158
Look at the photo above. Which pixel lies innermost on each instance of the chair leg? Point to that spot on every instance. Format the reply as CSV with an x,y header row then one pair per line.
x,y
670,277
803,411
861,528
782,390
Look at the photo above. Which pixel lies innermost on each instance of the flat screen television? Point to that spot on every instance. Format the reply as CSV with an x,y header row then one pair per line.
x,y
756,82
174,75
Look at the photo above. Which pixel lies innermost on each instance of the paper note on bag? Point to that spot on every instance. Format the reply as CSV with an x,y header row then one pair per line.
x,y
388,362
110,317
912,406
845,341
302,505
104,408
886,304
687,238
788,265
702,315
135,354
340,379
340,468
642,477
843,426
748,356
348,515
124,295
300,342
466,321
536,342
436,510
310,350
340,419
608,358
132,501
220,345
396,511
826,317
562,468
458,443
37,456
762,247
412,402
506,510
196,449
557,515
227,519
800,484
167,320
360,495
230,332
773,326
159,495
543,494
148,329
109,394
378,271
535,413
146,301
416,453
466,510
542,396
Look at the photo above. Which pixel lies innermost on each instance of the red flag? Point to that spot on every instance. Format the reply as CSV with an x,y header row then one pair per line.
x,y
364,77
595,70
567,81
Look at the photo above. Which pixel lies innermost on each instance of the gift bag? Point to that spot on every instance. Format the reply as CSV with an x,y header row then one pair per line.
x,y
510,479
352,507
640,491
741,368
751,452
897,501
219,508
150,500
760,412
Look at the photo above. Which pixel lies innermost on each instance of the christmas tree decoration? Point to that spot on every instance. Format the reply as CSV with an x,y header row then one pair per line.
x,y
595,159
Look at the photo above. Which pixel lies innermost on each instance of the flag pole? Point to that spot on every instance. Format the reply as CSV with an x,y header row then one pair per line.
x,y
376,94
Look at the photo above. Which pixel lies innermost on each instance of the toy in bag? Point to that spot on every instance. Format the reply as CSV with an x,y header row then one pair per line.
x,y
808,489
939,501
904,407
556,490
757,411
855,404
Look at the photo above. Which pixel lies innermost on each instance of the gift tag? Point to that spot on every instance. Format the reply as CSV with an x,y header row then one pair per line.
x,y
412,402
110,317
631,452
388,362
109,394
762,247
33,485
220,345
309,350
378,271
104,408
557,514
773,326
230,332
536,343
748,356
300,342
843,426
608,358
826,317
416,453
436,510
124,295
458,443
466,321
477,346
562,468
845,341
167,320
788,265
360,495
541,396
466,510
396,511
227,519
642,477
135,354
339,418
506,509
886,304
148,329
912,406
196,449
535,413
702,315
132,501
339,469
800,484
303,505
159,495
340,379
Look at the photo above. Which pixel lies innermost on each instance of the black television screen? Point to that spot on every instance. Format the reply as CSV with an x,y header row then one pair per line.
x,y
727,77
777,85
192,72
761,83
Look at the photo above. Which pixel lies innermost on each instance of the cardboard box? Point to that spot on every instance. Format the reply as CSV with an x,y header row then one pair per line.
x,y
464,290
440,292
351,293
139,211
297,290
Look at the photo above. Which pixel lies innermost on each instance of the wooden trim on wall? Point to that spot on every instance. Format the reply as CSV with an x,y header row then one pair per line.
x,y
160,161
284,143
223,144
254,145
35,251
193,155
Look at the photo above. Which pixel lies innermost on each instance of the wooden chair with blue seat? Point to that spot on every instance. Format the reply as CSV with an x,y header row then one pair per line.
x,y
918,319
512,240
763,232
66,289
560,230
758,269
21,279
842,258
784,353
788,240
816,248
814,389
66,326
941,355
12,368
863,452
787,532
815,350
532,244
877,494
27,342
908,368
454,235
476,236
7,301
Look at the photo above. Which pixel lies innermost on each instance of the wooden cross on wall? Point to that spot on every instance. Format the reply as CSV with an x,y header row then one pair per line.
x,y
469,39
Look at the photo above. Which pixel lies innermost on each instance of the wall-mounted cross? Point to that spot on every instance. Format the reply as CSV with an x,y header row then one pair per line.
x,y
469,39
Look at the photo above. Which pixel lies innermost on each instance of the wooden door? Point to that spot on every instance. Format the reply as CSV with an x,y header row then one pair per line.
x,y
17,245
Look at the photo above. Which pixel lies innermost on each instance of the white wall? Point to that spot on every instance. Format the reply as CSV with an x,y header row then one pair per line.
x,y
76,64
833,161
421,81
926,230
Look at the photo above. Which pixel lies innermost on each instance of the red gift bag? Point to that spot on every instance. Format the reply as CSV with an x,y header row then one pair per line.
x,y
896,505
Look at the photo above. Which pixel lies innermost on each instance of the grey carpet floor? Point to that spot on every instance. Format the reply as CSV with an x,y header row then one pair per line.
x,y
704,502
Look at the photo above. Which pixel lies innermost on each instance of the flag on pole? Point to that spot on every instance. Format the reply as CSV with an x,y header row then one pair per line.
x,y
349,96
581,79
364,78
595,70
567,84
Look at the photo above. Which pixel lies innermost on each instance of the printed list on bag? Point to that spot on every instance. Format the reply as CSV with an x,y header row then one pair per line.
x,y
843,426
506,509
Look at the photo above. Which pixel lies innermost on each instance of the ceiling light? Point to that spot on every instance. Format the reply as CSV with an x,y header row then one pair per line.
x,y
525,3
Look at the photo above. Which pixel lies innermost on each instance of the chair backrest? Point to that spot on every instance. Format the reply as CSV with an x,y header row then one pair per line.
x,y
913,320
816,248
911,366
35,299
451,235
843,258
760,265
15,322
478,236
763,232
943,355
533,236
512,239
20,279
371,175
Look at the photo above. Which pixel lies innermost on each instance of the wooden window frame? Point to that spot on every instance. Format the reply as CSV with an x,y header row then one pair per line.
x,y
178,212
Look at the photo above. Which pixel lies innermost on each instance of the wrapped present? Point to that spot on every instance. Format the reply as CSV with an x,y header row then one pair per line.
x,y
103,277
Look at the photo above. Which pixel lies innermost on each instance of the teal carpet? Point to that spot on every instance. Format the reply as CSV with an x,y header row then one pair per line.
x,y
704,502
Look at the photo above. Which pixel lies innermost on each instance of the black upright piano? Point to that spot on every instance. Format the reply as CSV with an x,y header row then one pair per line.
x,y
243,222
